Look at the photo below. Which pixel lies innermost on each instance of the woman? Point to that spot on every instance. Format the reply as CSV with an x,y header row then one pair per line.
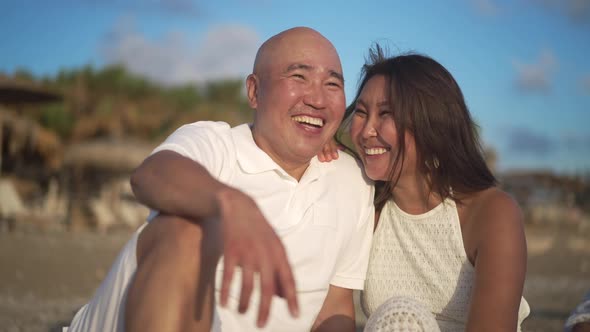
x,y
445,234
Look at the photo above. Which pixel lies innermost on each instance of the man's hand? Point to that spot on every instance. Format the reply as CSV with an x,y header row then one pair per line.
x,y
250,243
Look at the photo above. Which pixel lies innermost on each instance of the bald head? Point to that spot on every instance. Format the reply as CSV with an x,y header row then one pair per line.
x,y
298,40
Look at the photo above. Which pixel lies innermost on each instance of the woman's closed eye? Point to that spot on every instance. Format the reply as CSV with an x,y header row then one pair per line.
x,y
385,113
360,113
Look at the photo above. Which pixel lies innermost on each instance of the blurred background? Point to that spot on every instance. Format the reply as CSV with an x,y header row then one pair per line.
x,y
88,88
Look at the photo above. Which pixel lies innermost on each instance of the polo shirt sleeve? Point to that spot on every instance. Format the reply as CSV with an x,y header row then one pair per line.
x,y
206,142
353,261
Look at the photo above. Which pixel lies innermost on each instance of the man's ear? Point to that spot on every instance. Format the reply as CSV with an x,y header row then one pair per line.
x,y
252,90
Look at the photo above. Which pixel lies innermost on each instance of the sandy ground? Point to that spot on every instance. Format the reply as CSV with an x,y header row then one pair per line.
x,y
46,276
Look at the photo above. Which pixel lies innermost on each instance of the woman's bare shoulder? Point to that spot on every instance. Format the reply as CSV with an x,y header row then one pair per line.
x,y
492,217
493,205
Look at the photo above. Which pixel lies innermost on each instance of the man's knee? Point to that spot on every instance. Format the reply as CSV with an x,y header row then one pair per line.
x,y
173,285
180,240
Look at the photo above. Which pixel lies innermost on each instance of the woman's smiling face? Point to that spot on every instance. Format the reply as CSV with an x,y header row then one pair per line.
x,y
373,130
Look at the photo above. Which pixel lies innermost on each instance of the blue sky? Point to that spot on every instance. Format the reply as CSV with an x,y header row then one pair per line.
x,y
522,64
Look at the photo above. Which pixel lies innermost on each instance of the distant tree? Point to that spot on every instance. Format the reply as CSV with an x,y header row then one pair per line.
x,y
58,119
225,92
491,157
22,74
184,98
113,101
116,80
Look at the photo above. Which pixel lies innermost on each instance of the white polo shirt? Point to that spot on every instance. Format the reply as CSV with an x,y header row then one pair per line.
x,y
325,220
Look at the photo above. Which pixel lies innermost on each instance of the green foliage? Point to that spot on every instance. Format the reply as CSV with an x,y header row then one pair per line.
x,y
105,107
225,92
183,97
23,75
144,109
115,79
58,119
110,80
66,77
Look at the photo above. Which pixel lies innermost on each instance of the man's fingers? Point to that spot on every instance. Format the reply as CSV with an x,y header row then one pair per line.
x,y
246,292
229,264
287,285
267,290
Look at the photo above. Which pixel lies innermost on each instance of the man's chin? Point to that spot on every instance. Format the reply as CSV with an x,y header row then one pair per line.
x,y
308,154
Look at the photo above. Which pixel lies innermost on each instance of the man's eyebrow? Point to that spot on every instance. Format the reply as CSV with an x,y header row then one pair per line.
x,y
296,66
337,75
303,66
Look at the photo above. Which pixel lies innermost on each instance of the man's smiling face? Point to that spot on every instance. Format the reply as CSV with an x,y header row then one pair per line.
x,y
299,96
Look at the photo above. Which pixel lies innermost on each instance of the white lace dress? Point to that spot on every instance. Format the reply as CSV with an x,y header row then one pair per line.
x,y
423,257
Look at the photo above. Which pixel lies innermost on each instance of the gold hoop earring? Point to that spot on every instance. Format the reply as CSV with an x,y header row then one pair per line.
x,y
435,163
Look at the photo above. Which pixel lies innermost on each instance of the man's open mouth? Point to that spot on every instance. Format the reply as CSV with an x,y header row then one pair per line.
x,y
308,120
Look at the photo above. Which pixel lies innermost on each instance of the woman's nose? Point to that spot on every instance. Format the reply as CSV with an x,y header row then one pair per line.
x,y
369,130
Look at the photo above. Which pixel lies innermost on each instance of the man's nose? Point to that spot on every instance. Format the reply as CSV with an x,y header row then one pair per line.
x,y
315,96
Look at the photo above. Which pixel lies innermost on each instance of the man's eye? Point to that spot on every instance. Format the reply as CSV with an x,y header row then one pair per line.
x,y
298,76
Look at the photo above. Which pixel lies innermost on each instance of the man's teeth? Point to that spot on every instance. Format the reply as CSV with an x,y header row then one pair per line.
x,y
375,151
309,120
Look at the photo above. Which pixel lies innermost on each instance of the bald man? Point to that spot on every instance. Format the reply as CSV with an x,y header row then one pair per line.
x,y
246,218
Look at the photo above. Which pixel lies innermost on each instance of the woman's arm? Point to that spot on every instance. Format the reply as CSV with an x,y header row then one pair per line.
x,y
337,313
500,262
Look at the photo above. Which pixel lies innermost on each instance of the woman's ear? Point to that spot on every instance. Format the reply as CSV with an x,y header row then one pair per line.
x,y
252,90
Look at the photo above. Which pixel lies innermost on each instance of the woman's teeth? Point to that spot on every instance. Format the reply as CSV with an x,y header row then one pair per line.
x,y
375,151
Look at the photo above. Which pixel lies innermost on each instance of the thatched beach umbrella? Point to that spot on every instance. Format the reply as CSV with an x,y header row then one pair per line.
x,y
91,168
15,92
13,95
106,155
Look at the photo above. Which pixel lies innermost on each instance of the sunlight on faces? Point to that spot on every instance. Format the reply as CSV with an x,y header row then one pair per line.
x,y
373,131
299,96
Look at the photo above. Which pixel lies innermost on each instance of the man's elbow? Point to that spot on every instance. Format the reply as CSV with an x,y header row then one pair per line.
x,y
141,177
136,180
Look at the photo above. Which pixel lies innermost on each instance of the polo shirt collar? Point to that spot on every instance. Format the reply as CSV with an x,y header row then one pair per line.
x,y
254,160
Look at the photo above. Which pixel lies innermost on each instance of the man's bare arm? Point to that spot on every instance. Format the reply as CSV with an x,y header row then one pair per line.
x,y
173,184
178,186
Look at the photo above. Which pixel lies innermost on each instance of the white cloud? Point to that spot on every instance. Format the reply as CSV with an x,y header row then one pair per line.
x,y
225,51
180,8
585,84
536,77
577,10
486,7
524,140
